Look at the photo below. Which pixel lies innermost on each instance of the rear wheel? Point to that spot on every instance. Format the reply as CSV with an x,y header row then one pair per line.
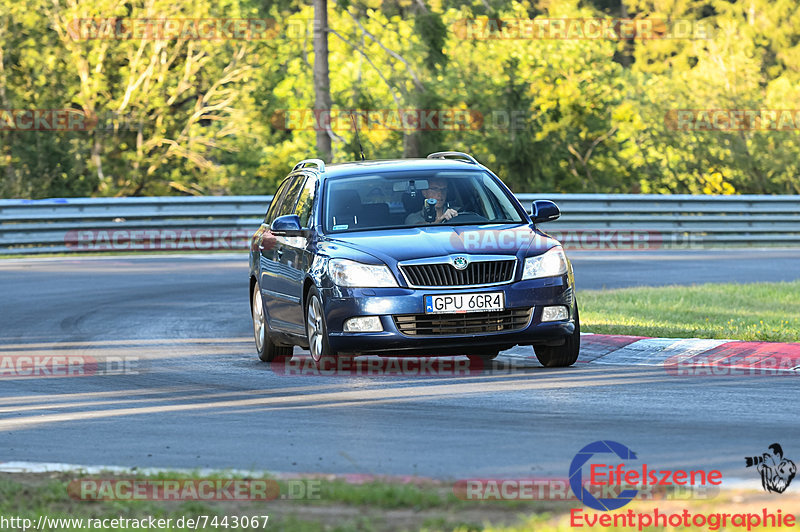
x,y
267,350
562,355
316,329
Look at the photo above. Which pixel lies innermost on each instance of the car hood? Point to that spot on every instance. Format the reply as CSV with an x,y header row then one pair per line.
x,y
397,245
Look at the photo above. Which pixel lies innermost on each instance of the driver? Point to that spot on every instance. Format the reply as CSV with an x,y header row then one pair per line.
x,y
437,189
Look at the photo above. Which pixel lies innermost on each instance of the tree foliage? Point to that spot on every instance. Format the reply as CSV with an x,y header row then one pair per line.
x,y
218,116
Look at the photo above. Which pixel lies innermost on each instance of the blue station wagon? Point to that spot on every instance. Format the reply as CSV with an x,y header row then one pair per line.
x,y
420,257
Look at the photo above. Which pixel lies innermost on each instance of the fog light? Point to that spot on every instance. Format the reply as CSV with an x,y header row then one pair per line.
x,y
555,313
363,324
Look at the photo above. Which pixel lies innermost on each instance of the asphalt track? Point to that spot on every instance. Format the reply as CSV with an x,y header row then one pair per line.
x,y
194,395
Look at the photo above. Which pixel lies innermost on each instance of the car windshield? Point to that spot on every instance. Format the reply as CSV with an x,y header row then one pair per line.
x,y
409,199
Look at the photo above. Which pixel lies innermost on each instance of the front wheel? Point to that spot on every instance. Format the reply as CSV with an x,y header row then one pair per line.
x,y
563,355
316,329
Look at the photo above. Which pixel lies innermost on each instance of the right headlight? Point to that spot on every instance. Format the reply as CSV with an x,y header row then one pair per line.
x,y
346,272
551,263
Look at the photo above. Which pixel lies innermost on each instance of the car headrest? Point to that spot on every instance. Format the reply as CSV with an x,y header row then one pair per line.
x,y
413,203
374,215
346,201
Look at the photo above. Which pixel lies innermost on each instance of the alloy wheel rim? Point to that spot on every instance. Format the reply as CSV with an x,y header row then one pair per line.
x,y
314,328
258,318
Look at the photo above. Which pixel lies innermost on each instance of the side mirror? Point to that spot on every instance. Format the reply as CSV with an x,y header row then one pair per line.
x,y
544,211
288,225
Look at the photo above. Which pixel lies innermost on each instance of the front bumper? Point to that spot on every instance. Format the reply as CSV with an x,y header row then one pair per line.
x,y
342,304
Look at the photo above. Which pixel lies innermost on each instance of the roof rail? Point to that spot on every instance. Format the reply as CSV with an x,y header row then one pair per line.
x,y
320,164
460,155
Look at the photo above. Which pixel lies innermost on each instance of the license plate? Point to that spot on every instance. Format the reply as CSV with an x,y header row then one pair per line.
x,y
458,303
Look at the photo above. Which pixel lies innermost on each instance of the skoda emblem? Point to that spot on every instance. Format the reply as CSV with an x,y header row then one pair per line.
x,y
460,263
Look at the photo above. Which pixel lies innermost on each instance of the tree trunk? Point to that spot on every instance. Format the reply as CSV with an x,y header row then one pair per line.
x,y
411,144
322,90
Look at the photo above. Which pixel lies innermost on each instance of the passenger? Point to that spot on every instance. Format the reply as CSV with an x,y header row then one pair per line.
x,y
437,189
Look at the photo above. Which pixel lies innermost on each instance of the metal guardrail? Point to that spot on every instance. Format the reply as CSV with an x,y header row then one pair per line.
x,y
129,224
589,221
633,221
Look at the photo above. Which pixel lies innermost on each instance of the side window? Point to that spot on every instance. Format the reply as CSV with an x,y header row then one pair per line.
x,y
306,202
277,199
290,199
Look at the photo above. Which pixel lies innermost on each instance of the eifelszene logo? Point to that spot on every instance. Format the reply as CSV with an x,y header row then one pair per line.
x,y
576,475
776,471
618,474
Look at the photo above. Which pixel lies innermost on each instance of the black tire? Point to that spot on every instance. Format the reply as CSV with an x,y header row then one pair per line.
x,y
267,350
316,328
563,355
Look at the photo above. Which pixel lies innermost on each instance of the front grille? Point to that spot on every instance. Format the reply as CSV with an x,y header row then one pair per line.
x,y
475,274
465,323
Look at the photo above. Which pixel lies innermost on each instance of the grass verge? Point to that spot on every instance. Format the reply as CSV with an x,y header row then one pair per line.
x,y
344,507
754,312
336,506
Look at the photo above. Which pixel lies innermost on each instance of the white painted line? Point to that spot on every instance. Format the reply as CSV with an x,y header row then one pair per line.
x,y
732,483
53,467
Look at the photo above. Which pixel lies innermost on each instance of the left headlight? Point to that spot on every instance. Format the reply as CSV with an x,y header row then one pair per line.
x,y
548,264
350,273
